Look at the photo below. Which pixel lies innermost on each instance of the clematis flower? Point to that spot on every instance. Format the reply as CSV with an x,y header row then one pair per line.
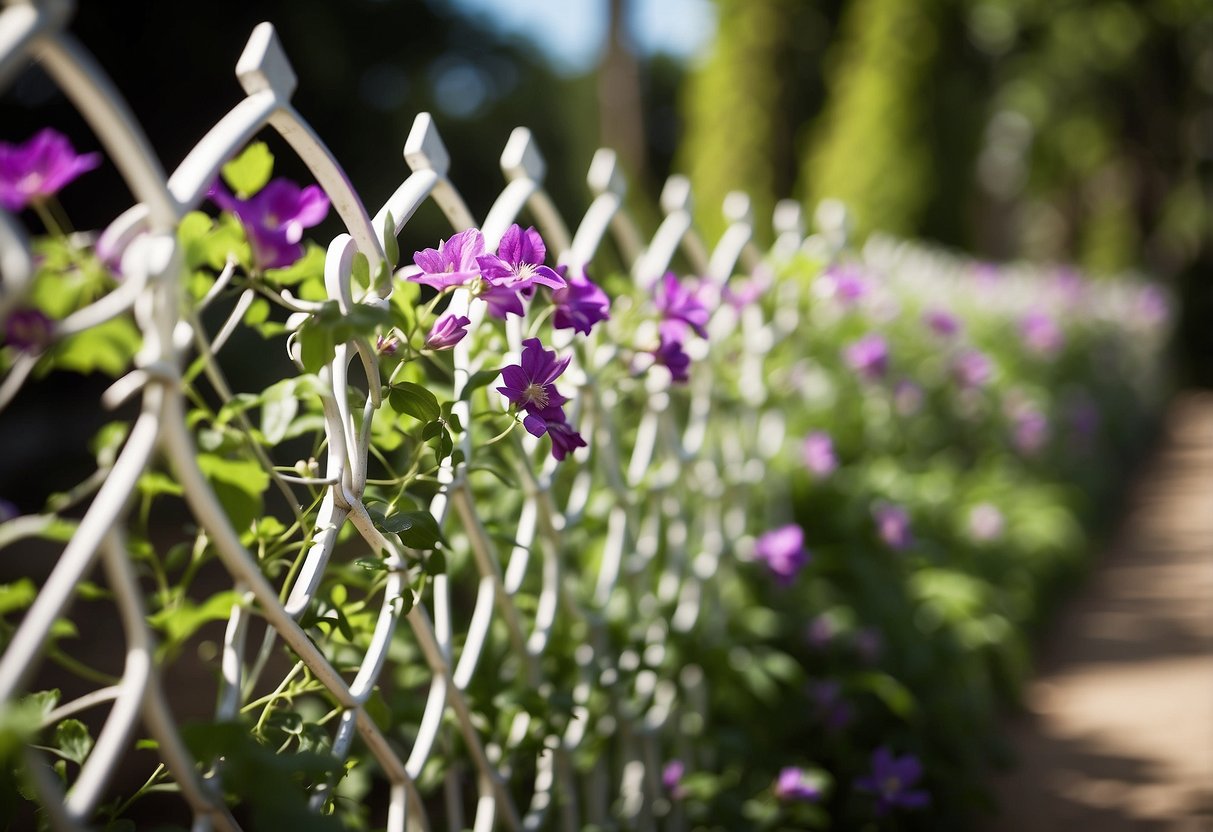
x,y
530,387
941,322
681,306
388,345
453,263
516,267
564,438
671,355
893,525
1031,429
1040,333
796,784
39,168
27,329
782,550
972,369
671,779
907,397
447,331
819,453
985,522
741,293
580,305
274,218
891,780
845,283
869,356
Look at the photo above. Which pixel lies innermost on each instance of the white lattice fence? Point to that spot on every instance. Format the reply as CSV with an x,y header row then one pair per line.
x,y
664,482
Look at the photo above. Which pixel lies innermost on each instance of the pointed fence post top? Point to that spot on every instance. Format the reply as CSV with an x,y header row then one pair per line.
x,y
263,64
789,217
604,175
676,195
424,150
737,208
521,158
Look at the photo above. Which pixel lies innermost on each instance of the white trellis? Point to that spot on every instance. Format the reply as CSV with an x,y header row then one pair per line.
x,y
666,451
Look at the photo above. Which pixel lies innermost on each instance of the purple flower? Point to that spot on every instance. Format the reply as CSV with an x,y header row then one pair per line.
x,y
819,453
447,331
1040,334
869,356
39,168
516,267
531,389
1151,306
796,784
846,283
671,355
388,345
565,439
529,385
783,552
580,305
453,263
972,369
671,779
1031,429
941,322
891,780
741,293
680,305
28,329
985,522
893,525
274,218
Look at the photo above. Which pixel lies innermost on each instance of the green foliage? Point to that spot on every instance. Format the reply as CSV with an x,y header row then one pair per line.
x,y
249,172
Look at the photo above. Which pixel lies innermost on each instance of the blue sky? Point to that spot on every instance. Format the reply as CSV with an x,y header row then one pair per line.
x,y
571,32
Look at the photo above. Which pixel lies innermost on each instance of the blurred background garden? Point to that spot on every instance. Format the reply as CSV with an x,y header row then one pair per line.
x,y
968,411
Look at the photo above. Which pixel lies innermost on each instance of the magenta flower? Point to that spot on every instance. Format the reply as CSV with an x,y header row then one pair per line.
x,y
819,455
670,353
28,330
741,293
516,267
453,263
869,356
580,305
39,168
891,780
447,331
893,525
796,784
782,550
681,306
1040,333
941,322
274,218
671,779
530,387
972,369
1151,306
846,283
388,345
985,522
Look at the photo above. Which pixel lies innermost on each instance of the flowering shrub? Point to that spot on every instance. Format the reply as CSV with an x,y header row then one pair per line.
x,y
849,491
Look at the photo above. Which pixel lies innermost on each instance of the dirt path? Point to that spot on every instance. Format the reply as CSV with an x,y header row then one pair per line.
x,y
1118,733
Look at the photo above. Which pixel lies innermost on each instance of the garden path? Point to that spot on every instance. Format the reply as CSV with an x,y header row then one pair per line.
x,y
1117,732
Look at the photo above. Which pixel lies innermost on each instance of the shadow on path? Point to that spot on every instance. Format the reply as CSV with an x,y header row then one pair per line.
x,y
1117,732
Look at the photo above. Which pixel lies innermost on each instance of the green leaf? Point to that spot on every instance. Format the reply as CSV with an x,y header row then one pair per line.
x,y
278,410
155,483
417,529
17,595
895,696
478,380
415,400
107,442
248,172
180,621
239,484
391,246
107,347
73,740
371,564
308,267
360,272
316,347
258,312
